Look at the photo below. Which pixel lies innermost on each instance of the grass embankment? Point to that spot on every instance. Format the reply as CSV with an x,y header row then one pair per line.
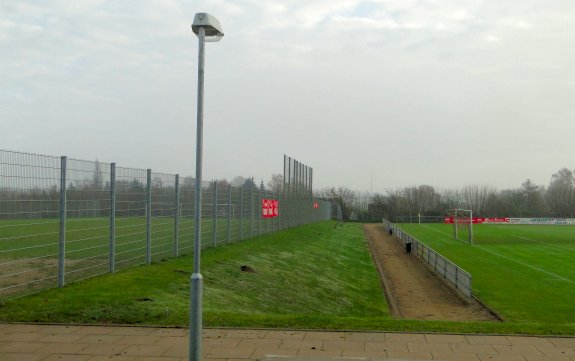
x,y
318,276
303,276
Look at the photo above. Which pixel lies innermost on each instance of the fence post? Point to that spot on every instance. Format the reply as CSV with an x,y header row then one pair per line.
x,y
274,217
230,213
251,211
112,266
215,215
62,255
177,217
259,204
149,217
241,211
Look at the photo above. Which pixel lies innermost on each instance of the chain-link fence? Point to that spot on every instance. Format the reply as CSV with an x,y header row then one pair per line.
x,y
63,219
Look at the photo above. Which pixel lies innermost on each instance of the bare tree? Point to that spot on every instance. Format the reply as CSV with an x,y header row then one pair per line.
x,y
276,183
560,193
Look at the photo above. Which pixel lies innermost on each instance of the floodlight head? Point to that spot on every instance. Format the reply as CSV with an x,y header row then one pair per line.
x,y
210,24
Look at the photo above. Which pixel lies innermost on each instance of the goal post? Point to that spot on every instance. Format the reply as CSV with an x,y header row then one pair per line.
x,y
462,223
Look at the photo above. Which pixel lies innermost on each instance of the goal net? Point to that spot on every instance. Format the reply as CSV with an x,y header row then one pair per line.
x,y
462,220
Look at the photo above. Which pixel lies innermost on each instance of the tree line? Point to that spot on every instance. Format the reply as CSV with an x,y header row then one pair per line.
x,y
528,200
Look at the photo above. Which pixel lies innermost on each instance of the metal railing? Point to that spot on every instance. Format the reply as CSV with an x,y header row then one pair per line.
x,y
447,270
63,219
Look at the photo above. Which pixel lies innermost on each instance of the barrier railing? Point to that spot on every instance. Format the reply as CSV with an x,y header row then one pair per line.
x,y
449,271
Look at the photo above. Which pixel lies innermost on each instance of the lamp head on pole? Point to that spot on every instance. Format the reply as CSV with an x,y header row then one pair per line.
x,y
211,25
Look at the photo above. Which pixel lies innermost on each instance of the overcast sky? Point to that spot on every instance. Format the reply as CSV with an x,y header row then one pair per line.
x,y
371,94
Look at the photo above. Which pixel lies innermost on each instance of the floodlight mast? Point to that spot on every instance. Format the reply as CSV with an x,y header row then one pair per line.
x,y
207,28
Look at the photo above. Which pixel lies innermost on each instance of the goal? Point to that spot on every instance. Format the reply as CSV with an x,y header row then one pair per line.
x,y
462,224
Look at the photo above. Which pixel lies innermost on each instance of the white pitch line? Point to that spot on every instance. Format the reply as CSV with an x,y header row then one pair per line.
x,y
554,275
547,244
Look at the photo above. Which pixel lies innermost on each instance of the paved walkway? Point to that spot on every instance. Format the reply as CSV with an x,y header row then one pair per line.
x,y
99,343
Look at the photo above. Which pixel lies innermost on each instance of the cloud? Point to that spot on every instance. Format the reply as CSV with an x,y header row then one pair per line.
x,y
349,87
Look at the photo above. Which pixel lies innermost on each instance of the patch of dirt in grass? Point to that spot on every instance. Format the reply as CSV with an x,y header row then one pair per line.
x,y
24,276
412,290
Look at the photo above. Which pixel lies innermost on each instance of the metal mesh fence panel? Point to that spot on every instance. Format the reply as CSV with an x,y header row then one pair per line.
x,y
131,208
63,220
29,222
87,219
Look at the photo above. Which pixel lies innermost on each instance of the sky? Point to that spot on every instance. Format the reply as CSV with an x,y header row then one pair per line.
x,y
373,95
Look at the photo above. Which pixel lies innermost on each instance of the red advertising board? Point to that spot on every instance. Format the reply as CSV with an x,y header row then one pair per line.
x,y
270,208
478,220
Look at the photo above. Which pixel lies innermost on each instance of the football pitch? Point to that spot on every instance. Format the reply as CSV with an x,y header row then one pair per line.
x,y
525,273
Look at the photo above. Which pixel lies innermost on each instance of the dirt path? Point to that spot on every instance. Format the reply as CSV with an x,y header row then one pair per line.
x,y
412,290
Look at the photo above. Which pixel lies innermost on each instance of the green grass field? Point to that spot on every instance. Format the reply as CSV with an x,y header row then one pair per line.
x,y
525,273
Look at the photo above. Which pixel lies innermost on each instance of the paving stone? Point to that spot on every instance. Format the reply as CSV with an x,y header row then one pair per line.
x,y
221,342
365,336
454,357
104,349
517,350
529,340
286,335
112,358
173,341
19,346
21,356
563,342
179,351
473,349
385,346
488,340
405,337
63,357
268,343
446,339
138,340
318,353
324,336
501,358
99,339
174,332
429,347
364,355
20,336
61,337
247,333
344,345
547,358
410,355
131,331
301,344
143,350
64,348
230,352
260,353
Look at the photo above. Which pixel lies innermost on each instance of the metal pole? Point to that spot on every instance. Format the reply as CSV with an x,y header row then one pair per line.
x,y
196,281
241,210
470,226
149,217
215,215
251,211
177,217
230,213
112,266
62,258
